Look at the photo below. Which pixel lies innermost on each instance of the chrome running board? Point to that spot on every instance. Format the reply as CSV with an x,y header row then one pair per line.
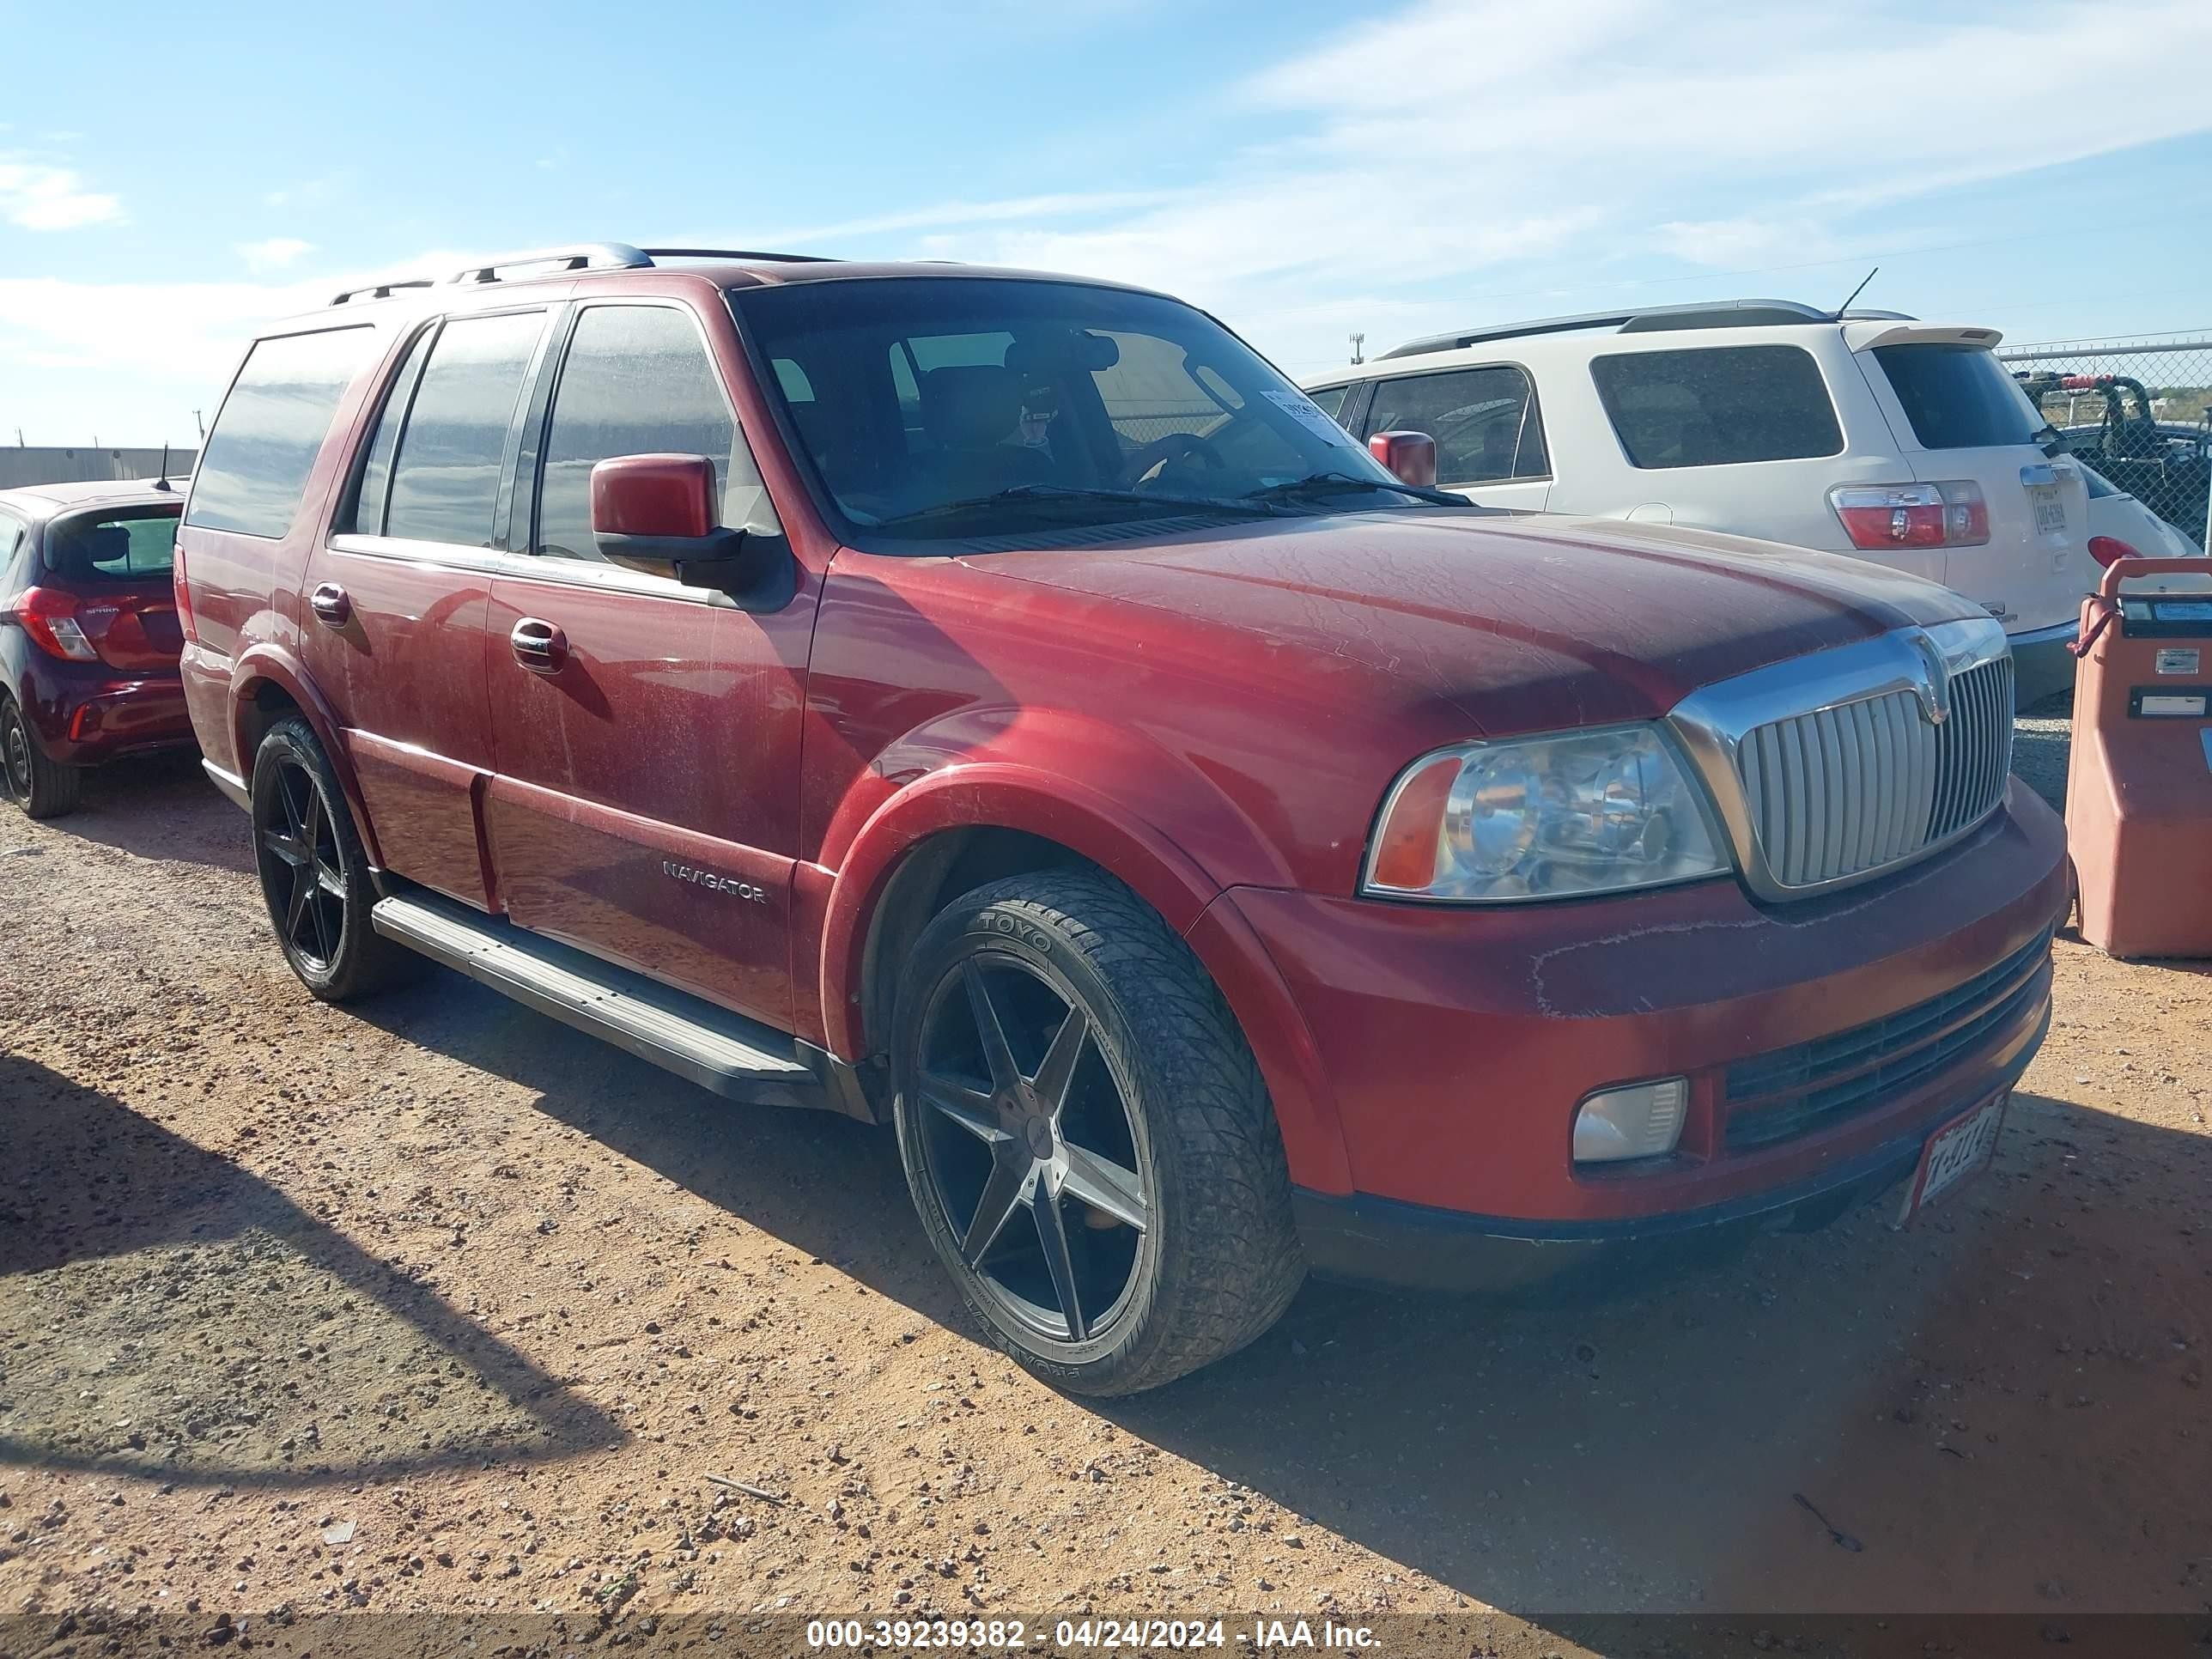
x,y
711,1046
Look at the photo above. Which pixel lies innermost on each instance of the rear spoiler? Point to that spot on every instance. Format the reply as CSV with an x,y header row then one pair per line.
x,y
1865,336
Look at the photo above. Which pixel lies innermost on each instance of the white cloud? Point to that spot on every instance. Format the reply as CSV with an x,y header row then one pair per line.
x,y
273,254
38,197
1453,140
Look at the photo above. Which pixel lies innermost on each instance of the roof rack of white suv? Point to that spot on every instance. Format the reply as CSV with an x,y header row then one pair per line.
x,y
580,256
1711,313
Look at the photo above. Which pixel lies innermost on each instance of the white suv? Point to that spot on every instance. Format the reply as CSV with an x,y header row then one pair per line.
x,y
1902,443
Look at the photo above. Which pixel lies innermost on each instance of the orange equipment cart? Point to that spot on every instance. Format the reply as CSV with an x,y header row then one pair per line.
x,y
2139,781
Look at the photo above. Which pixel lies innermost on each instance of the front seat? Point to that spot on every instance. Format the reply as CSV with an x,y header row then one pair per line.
x,y
972,413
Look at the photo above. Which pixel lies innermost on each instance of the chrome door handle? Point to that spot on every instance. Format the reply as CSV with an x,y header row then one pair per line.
x,y
538,645
331,605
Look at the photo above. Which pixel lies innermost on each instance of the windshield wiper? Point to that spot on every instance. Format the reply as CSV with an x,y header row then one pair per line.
x,y
1335,483
1046,493
2050,440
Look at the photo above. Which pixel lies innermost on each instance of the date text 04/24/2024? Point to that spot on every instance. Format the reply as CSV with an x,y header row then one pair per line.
x,y
1108,1634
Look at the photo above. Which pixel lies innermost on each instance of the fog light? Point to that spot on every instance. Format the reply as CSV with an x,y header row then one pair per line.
x,y
1643,1119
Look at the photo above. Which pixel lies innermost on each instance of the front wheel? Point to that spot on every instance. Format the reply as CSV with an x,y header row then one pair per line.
x,y
1087,1137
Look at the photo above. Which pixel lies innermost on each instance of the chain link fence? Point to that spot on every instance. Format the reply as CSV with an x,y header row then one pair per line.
x,y
2139,411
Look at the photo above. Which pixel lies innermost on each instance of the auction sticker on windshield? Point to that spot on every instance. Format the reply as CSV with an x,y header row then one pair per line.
x,y
1960,1148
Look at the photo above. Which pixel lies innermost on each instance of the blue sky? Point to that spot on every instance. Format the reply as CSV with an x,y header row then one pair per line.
x,y
1302,170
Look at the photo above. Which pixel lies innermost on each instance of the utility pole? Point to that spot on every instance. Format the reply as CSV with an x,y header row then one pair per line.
x,y
1358,341
201,425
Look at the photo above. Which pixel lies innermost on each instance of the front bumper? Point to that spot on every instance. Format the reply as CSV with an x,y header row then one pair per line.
x,y
2042,662
1456,1045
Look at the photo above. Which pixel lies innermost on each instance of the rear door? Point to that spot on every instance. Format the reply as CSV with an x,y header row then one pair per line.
x,y
1488,428
645,733
398,595
1957,414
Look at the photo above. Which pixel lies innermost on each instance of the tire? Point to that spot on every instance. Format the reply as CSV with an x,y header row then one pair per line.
x,y
314,875
1159,1166
43,788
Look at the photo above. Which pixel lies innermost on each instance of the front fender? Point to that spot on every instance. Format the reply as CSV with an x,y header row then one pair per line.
x,y
267,663
1147,831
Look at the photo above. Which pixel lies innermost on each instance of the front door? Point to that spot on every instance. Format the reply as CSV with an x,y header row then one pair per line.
x,y
646,734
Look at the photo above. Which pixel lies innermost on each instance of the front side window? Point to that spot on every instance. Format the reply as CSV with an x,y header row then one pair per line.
x,y
1329,400
121,547
936,408
1718,406
1959,397
639,380
445,476
1484,421
271,427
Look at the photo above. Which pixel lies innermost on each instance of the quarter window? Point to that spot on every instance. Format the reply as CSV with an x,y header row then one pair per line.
x,y
1717,407
639,380
1330,400
1484,420
445,477
270,428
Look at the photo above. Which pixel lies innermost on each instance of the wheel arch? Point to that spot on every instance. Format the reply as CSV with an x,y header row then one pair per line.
x,y
955,830
266,685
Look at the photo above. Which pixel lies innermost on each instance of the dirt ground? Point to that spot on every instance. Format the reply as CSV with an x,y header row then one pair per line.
x,y
435,1304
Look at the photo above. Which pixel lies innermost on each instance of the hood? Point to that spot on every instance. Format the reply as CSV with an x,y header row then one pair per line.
x,y
1508,623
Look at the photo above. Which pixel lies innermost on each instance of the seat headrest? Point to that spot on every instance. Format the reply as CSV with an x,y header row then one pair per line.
x,y
970,406
94,544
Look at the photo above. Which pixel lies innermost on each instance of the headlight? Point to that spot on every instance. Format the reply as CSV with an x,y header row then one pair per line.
x,y
1544,818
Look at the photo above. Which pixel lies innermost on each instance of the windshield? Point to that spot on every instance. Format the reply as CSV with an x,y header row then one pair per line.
x,y
124,547
949,407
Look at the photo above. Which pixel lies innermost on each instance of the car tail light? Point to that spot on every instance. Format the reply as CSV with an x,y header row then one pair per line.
x,y
2109,550
49,616
1880,516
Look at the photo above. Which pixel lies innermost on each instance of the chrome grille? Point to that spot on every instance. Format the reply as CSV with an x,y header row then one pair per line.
x,y
1857,785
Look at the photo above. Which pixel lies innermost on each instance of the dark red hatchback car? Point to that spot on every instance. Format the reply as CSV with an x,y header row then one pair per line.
x,y
1004,706
89,634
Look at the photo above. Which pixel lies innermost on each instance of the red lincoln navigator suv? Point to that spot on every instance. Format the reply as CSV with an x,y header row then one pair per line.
x,y
1004,706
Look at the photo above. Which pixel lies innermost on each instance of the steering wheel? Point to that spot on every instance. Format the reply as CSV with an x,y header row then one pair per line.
x,y
1172,446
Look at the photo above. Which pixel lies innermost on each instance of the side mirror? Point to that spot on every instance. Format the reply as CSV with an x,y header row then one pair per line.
x,y
1410,457
658,514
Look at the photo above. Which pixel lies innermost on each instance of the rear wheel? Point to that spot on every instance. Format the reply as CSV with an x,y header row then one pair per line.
x,y
43,788
1087,1137
315,875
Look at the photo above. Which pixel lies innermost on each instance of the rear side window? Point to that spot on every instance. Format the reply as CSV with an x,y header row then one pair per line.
x,y
638,381
445,477
270,428
122,547
1958,396
366,514
1717,407
1484,421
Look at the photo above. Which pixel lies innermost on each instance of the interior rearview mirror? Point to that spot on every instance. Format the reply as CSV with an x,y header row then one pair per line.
x,y
659,515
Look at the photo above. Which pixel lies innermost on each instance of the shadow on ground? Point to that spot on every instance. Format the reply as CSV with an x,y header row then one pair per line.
x,y
155,806
1642,1451
142,1276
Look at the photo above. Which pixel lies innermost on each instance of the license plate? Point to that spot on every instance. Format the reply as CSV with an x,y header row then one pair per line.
x,y
1960,1148
2050,509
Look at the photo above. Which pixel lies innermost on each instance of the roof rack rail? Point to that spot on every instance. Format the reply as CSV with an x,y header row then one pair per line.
x,y
739,253
579,256
378,290
1711,313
